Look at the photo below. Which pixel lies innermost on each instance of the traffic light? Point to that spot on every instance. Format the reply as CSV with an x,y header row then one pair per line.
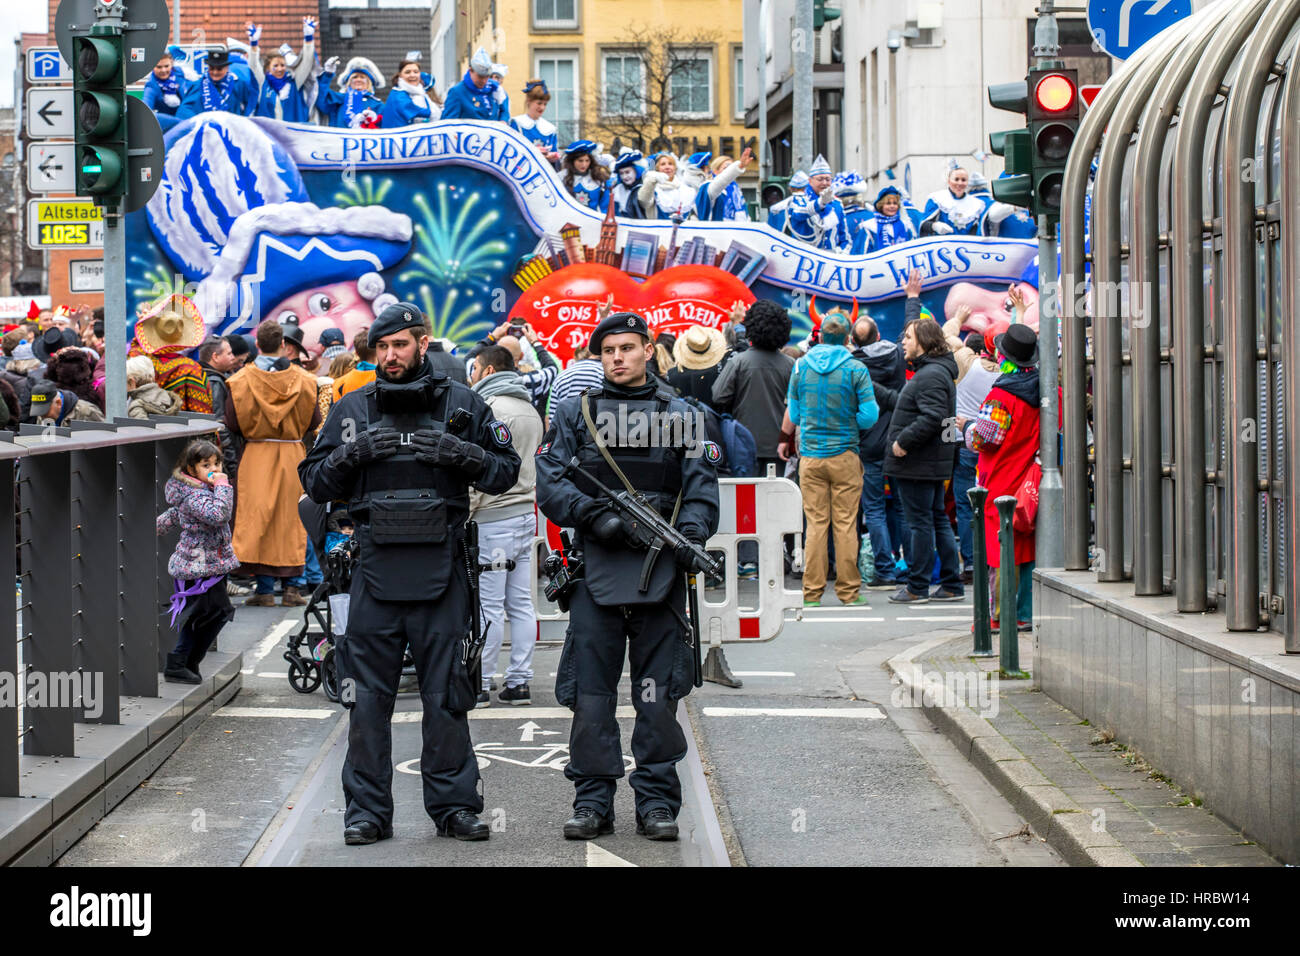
x,y
773,191
1016,188
99,101
822,13
1055,110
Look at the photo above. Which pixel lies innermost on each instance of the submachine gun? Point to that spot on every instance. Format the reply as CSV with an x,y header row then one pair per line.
x,y
646,526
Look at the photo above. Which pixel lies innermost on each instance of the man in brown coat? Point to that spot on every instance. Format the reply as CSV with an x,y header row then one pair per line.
x,y
271,405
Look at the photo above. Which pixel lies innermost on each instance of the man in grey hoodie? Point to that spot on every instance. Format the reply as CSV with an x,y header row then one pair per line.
x,y
507,524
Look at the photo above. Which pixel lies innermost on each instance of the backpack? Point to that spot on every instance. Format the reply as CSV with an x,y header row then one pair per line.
x,y
740,448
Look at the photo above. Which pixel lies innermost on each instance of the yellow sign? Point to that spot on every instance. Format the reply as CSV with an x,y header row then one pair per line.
x,y
64,224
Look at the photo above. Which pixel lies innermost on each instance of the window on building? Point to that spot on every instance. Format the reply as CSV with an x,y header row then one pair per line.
x,y
554,14
690,84
622,84
560,71
738,83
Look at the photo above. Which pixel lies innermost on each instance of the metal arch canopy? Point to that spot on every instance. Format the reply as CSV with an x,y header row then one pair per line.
x,y
146,28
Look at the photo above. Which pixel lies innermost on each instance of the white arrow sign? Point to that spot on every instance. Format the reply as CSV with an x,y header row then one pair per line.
x,y
49,112
530,728
50,168
1126,15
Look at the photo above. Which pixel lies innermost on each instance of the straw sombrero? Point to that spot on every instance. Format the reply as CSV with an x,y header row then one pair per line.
x,y
699,348
171,322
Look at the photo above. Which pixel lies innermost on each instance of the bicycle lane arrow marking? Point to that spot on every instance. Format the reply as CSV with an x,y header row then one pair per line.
x,y
530,728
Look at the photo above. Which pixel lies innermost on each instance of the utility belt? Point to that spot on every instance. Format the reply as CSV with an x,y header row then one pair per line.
x,y
403,516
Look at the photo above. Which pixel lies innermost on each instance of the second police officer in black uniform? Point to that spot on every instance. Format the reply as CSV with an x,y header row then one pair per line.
x,y
607,608
403,452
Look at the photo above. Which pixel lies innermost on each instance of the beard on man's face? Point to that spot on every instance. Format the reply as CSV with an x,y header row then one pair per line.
x,y
405,373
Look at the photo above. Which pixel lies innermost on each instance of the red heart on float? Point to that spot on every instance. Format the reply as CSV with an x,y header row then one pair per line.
x,y
561,307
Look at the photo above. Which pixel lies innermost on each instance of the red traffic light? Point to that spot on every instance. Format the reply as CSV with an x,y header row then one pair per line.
x,y
1055,93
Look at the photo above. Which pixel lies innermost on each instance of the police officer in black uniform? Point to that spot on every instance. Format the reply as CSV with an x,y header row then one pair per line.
x,y
403,451
608,607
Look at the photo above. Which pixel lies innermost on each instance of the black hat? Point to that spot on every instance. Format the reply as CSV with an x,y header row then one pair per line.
x,y
397,318
218,57
1019,343
238,344
292,333
51,340
331,336
613,325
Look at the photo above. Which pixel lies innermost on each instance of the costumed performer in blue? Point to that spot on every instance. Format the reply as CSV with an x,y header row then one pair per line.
x,y
499,71
409,103
851,191
164,87
720,199
779,211
1002,219
354,104
954,210
889,226
219,90
663,194
584,178
246,232
280,93
474,97
535,127
628,173
816,216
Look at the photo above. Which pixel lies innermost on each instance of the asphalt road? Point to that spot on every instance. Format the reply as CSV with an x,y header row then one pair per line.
x,y
808,764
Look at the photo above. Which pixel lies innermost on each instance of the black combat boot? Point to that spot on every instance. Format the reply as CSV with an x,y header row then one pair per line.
x,y
464,825
657,824
365,832
587,824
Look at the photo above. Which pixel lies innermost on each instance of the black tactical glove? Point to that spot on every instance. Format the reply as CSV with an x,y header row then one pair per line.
x,y
687,559
374,444
436,447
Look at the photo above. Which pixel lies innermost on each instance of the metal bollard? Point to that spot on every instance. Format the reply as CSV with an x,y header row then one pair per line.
x,y
983,633
1008,640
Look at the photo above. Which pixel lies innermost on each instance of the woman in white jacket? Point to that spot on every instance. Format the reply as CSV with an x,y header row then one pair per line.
x,y
663,194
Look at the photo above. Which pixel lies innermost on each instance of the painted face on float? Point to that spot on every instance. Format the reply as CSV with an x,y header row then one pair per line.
x,y
627,175
336,306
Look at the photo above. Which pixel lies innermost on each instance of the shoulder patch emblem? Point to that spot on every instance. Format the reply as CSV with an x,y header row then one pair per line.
x,y
500,434
712,453
543,448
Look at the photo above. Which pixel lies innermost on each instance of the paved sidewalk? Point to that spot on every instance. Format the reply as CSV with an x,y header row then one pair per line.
x,y
1094,800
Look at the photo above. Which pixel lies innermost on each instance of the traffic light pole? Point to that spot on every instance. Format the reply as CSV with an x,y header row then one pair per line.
x,y
115,314
1049,535
801,50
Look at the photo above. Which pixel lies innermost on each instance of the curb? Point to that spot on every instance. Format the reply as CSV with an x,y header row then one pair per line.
x,y
1065,825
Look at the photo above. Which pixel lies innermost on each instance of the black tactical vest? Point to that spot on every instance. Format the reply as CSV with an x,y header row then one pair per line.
x,y
410,516
647,438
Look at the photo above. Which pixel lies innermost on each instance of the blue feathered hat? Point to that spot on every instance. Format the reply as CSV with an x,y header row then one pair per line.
x,y
628,157
846,182
580,146
699,160
890,190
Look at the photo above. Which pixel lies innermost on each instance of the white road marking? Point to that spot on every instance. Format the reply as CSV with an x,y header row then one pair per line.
x,y
763,673
528,730
599,856
509,713
953,604
307,713
268,643
964,617
858,713
838,620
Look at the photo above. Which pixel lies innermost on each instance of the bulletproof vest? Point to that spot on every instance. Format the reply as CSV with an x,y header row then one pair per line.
x,y
647,440
645,437
410,516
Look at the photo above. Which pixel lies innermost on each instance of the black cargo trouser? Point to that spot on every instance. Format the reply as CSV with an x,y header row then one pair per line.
x,y
370,655
587,683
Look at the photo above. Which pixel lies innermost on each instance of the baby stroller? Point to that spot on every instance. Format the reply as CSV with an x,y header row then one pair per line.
x,y
311,648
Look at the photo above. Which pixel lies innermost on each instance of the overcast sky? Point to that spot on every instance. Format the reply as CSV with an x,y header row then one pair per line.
x,y
16,16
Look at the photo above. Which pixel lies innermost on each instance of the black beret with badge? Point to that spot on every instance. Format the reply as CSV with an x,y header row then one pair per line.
x,y
397,317
615,324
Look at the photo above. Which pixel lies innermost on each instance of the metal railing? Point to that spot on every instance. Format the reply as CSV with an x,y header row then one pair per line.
x,y
1194,287
91,575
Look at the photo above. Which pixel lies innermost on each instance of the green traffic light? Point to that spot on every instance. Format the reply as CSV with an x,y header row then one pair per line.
x,y
98,114
98,60
98,171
